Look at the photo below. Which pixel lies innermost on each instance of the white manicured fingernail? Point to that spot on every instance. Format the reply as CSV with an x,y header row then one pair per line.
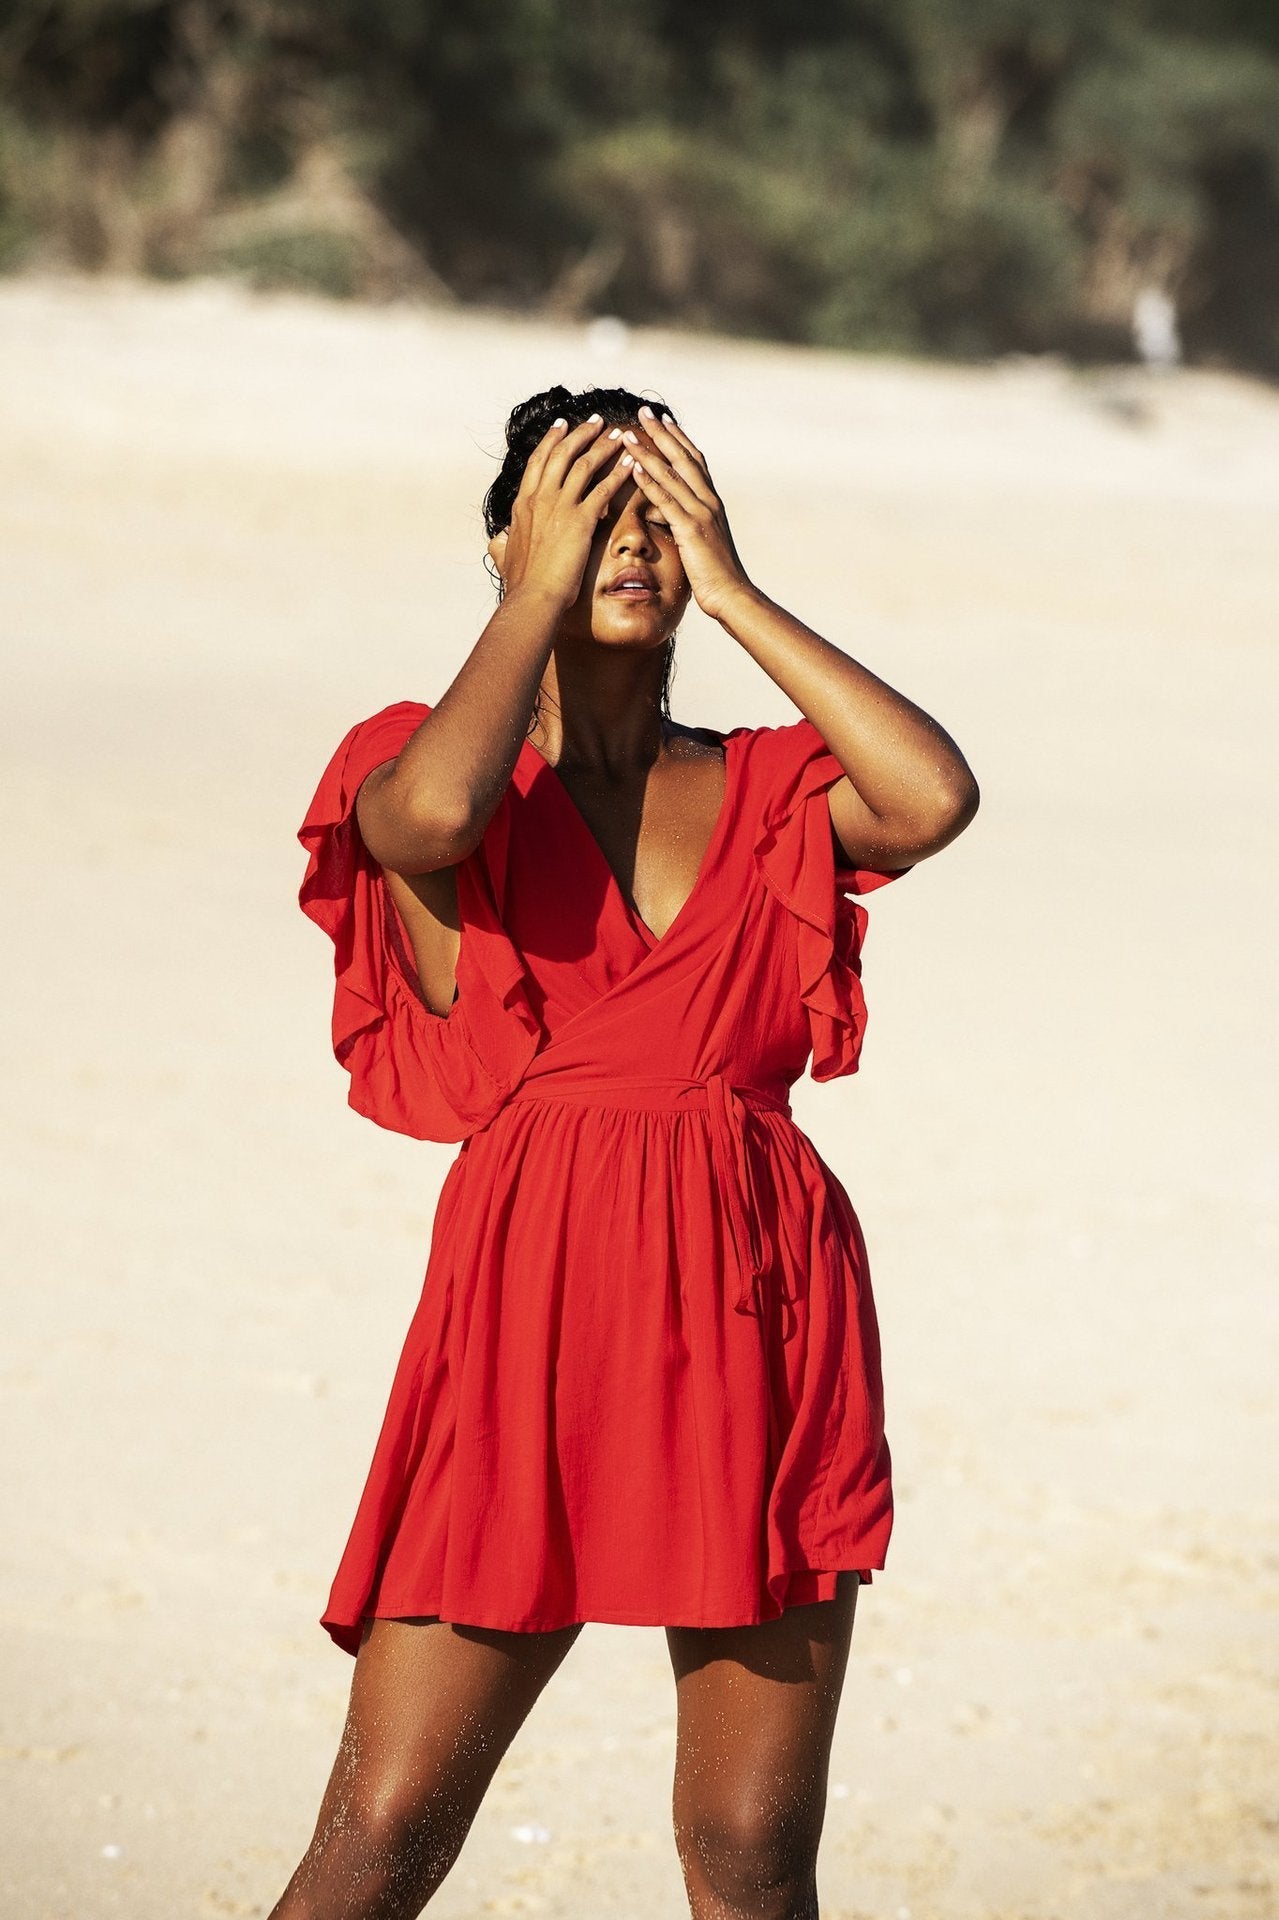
x,y
626,460
632,437
559,423
646,413
616,434
594,419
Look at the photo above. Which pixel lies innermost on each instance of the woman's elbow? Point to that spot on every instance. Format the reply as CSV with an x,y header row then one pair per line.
x,y
965,802
417,835
951,809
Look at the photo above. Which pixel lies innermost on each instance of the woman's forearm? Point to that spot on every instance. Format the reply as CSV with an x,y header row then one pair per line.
x,y
428,808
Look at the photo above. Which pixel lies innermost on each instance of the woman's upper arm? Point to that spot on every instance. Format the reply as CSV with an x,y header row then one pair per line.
x,y
428,908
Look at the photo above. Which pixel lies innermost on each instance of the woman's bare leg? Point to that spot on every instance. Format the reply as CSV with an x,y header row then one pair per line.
x,y
756,1716
434,1706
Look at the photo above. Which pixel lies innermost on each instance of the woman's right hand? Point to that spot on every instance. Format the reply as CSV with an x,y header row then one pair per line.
x,y
563,496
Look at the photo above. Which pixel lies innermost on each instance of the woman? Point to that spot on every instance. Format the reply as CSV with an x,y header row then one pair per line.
x,y
643,1381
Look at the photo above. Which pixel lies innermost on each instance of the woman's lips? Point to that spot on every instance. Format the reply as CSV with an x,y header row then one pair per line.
x,y
634,585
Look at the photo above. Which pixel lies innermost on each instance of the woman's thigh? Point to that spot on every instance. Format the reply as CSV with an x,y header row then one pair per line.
x,y
756,1715
433,1708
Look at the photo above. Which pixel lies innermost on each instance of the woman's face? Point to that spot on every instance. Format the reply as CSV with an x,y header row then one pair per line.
x,y
634,589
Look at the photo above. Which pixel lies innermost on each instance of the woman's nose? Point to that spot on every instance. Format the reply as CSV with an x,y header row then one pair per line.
x,y
631,535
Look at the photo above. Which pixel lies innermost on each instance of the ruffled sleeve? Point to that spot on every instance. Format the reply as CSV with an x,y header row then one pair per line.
x,y
795,854
433,1076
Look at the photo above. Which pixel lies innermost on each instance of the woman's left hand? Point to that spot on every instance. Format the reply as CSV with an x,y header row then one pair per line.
x,y
671,473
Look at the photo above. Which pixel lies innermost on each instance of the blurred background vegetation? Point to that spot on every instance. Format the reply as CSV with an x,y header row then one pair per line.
x,y
965,177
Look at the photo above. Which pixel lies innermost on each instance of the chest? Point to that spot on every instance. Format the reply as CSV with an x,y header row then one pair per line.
x,y
650,835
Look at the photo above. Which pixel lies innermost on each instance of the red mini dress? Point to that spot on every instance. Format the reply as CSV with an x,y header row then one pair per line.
x,y
642,1383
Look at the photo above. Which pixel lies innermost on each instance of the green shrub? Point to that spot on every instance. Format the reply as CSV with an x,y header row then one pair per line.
x,y
954,176
309,259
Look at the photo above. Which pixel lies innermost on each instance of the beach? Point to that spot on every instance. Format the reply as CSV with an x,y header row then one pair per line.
x,y
232,526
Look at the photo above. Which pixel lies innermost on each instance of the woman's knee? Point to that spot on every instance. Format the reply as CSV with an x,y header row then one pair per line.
x,y
433,1709
754,1858
393,1823
378,1850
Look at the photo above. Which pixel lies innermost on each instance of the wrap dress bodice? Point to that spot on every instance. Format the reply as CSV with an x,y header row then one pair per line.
x,y
642,1383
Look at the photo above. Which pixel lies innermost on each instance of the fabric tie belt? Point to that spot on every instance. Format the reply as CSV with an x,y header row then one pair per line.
x,y
727,1106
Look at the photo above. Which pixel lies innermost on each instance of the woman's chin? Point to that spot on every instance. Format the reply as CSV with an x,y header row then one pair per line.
x,y
637,622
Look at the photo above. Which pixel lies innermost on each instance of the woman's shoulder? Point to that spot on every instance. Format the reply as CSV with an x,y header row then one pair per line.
x,y
795,737
381,735
364,745
772,751
797,733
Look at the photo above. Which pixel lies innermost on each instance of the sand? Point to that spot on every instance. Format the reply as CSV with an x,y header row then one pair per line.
x,y
231,527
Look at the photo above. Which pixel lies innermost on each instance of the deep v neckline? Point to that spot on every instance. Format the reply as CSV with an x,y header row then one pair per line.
x,y
655,940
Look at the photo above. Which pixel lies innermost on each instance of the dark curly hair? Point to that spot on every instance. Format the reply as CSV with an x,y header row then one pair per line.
x,y
527,424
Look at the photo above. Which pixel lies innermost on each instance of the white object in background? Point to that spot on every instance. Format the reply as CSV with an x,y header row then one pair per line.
x,y
1154,328
608,337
